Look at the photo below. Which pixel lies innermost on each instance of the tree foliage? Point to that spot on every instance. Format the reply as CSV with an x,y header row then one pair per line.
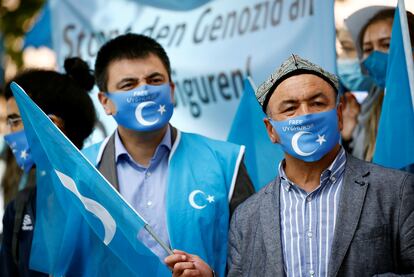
x,y
15,23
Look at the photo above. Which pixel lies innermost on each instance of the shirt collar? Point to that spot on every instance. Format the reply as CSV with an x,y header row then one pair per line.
x,y
164,146
333,172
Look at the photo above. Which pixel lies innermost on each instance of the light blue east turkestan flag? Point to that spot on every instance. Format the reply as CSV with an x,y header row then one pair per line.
x,y
395,139
262,156
83,226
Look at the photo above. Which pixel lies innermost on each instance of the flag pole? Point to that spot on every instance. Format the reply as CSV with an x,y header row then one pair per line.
x,y
408,53
157,239
252,83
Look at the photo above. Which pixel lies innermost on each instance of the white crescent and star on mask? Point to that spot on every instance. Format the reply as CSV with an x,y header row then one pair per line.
x,y
295,145
92,206
23,153
13,147
138,113
191,199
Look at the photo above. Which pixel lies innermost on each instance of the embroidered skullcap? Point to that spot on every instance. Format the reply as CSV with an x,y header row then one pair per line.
x,y
294,65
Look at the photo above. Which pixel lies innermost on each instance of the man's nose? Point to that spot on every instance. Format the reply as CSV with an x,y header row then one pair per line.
x,y
142,83
303,109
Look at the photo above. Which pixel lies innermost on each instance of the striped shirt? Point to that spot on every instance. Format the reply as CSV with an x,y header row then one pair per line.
x,y
307,220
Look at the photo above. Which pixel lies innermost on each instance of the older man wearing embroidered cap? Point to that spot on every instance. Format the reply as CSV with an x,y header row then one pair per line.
x,y
327,213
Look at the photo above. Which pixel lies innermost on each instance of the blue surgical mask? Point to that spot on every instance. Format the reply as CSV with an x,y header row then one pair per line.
x,y
376,65
350,74
17,142
308,137
145,108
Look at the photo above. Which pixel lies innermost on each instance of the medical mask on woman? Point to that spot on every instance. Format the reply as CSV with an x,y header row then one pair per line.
x,y
351,76
376,65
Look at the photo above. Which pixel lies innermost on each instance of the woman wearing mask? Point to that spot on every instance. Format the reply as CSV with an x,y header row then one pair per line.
x,y
64,98
373,42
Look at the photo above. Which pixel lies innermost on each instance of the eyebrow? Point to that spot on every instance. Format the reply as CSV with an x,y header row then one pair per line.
x,y
319,94
13,115
154,74
379,39
132,79
287,102
125,80
313,97
385,38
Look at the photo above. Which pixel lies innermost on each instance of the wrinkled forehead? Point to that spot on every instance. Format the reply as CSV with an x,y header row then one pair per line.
x,y
379,29
149,62
302,87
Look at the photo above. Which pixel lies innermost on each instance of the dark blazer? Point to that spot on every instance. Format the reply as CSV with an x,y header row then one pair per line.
x,y
374,232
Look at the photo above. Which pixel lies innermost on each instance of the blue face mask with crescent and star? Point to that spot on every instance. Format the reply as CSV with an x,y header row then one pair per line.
x,y
145,108
17,142
376,65
308,137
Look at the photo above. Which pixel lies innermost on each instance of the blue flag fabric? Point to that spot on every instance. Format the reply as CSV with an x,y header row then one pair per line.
x,y
262,156
83,226
395,139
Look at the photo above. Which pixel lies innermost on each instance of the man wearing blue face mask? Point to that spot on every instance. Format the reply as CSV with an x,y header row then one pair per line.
x,y
327,213
184,185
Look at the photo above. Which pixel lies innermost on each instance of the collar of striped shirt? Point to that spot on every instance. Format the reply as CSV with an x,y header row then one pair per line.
x,y
333,172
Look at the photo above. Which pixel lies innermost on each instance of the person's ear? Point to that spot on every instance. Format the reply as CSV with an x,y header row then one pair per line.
x,y
58,122
106,103
339,111
271,132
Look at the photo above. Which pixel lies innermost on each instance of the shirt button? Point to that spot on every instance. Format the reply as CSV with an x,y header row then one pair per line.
x,y
148,174
309,234
333,179
311,272
309,198
149,203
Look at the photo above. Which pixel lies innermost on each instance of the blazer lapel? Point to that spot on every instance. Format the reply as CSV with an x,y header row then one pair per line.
x,y
353,192
270,221
107,165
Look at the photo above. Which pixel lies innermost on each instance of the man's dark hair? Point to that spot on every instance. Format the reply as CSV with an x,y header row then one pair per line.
x,y
387,14
63,95
128,46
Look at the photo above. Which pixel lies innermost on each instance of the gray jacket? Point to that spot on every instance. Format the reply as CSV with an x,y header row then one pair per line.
x,y
374,231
